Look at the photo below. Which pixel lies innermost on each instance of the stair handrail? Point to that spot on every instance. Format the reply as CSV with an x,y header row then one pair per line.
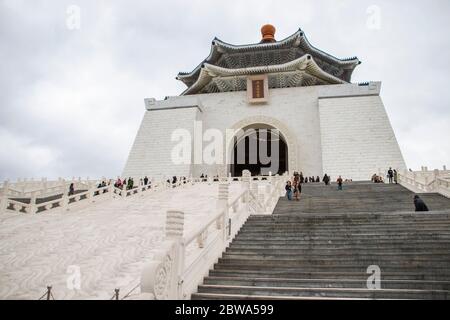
x,y
438,183
191,237
170,275
68,202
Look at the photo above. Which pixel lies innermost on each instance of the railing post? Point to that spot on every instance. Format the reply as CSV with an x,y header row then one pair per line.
x,y
111,190
49,292
64,199
202,238
4,197
246,175
254,188
174,234
33,202
163,276
90,193
45,186
92,188
222,204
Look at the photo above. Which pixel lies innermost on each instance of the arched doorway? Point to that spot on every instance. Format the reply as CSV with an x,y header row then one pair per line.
x,y
259,148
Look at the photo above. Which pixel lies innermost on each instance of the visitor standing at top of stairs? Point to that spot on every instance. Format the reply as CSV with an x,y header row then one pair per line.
x,y
340,182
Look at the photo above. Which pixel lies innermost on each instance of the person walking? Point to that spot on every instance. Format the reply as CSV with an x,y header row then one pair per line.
x,y
130,183
71,189
390,175
145,180
339,182
395,176
288,188
326,179
420,204
297,188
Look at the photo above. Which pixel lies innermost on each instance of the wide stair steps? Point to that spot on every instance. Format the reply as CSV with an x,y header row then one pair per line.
x,y
314,255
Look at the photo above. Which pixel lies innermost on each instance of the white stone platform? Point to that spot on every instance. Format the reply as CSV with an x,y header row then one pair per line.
x,y
109,242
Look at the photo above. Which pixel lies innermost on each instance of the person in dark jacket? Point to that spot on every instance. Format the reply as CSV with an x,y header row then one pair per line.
x,y
339,182
71,190
301,178
326,179
419,204
390,175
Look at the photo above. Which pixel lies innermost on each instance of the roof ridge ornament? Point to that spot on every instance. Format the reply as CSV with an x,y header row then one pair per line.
x,y
268,33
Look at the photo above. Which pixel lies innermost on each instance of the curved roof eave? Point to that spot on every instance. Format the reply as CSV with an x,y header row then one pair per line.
x,y
218,45
306,63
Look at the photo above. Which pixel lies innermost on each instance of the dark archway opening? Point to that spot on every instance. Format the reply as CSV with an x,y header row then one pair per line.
x,y
259,150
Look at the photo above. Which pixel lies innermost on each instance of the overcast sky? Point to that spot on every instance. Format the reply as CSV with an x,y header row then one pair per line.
x,y
72,94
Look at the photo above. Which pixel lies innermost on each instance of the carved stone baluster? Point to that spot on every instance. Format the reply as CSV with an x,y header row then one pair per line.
x,y
222,204
64,200
162,276
32,207
246,175
201,239
4,197
236,206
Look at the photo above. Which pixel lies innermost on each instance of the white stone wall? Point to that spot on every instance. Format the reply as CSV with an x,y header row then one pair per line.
x,y
151,151
357,137
297,115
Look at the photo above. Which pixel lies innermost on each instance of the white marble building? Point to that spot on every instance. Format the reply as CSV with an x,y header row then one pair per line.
x,y
326,124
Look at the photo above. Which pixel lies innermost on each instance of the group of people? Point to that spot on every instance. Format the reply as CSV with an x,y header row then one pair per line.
x,y
294,186
175,180
391,175
302,179
127,184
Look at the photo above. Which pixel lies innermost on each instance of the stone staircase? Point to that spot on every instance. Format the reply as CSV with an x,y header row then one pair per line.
x,y
321,247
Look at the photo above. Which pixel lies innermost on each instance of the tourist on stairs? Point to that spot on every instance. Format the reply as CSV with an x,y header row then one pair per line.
x,y
288,190
419,204
339,182
130,183
302,179
390,175
297,190
326,179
